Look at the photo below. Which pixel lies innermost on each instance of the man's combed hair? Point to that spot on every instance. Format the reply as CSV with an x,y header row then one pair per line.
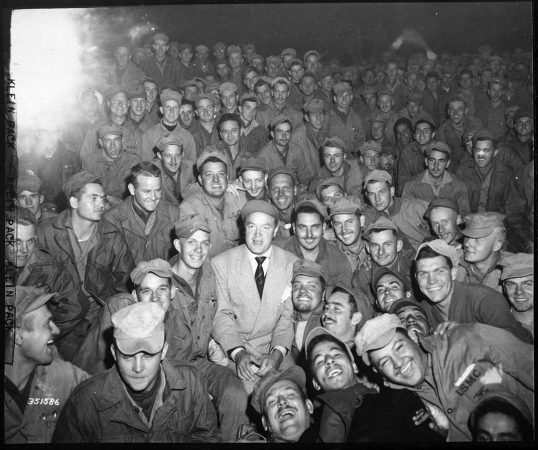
x,y
427,122
228,117
145,168
324,338
428,252
305,209
21,216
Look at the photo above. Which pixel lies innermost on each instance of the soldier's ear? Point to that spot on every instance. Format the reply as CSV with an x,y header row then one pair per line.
x,y
316,385
41,199
73,202
309,406
131,188
264,423
459,220
113,351
177,245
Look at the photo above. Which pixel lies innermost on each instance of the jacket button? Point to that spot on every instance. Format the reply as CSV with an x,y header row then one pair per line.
x,y
449,410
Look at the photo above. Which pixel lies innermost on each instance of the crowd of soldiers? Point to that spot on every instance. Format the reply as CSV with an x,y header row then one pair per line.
x,y
233,248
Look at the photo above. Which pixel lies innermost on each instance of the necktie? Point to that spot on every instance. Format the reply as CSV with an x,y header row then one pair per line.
x,y
259,276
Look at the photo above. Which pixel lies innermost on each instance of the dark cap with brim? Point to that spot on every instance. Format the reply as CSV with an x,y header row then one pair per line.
x,y
293,373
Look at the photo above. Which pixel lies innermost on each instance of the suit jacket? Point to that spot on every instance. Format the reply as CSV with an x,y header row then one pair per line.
x,y
242,319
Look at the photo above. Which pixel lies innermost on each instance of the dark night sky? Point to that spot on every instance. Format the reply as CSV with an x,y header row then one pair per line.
x,y
332,27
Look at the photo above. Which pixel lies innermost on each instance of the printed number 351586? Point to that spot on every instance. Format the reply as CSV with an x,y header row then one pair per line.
x,y
43,401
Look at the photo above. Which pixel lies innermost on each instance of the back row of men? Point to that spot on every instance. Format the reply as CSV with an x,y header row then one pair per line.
x,y
263,256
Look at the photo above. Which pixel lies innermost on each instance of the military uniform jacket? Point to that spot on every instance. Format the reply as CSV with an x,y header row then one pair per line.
x,y
225,228
351,131
408,215
100,410
129,79
452,187
131,140
476,303
169,78
114,173
351,179
245,320
499,185
519,209
501,363
452,137
295,159
71,306
49,391
109,263
156,132
330,258
157,242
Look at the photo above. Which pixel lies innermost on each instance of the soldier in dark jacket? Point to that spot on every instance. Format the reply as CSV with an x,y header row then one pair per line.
x,y
487,178
34,266
92,251
144,219
143,398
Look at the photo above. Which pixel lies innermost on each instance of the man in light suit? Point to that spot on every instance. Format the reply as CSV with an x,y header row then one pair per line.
x,y
253,323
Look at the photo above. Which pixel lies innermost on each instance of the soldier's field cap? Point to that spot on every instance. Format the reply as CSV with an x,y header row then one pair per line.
x,y
381,223
314,105
432,74
340,87
109,128
29,298
415,97
28,182
279,80
523,112
203,96
293,373
248,96
288,51
479,225
382,271
333,181
512,109
211,153
157,266
278,120
221,62
282,171
170,94
335,141
252,163
311,52
307,268
441,247
325,71
169,139
361,301
201,47
344,205
384,92
188,225
312,202
77,181
368,90
441,203
370,145
376,333
440,146
139,328
227,87
273,59
138,92
219,46
378,175
515,265
160,36
262,206
402,303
